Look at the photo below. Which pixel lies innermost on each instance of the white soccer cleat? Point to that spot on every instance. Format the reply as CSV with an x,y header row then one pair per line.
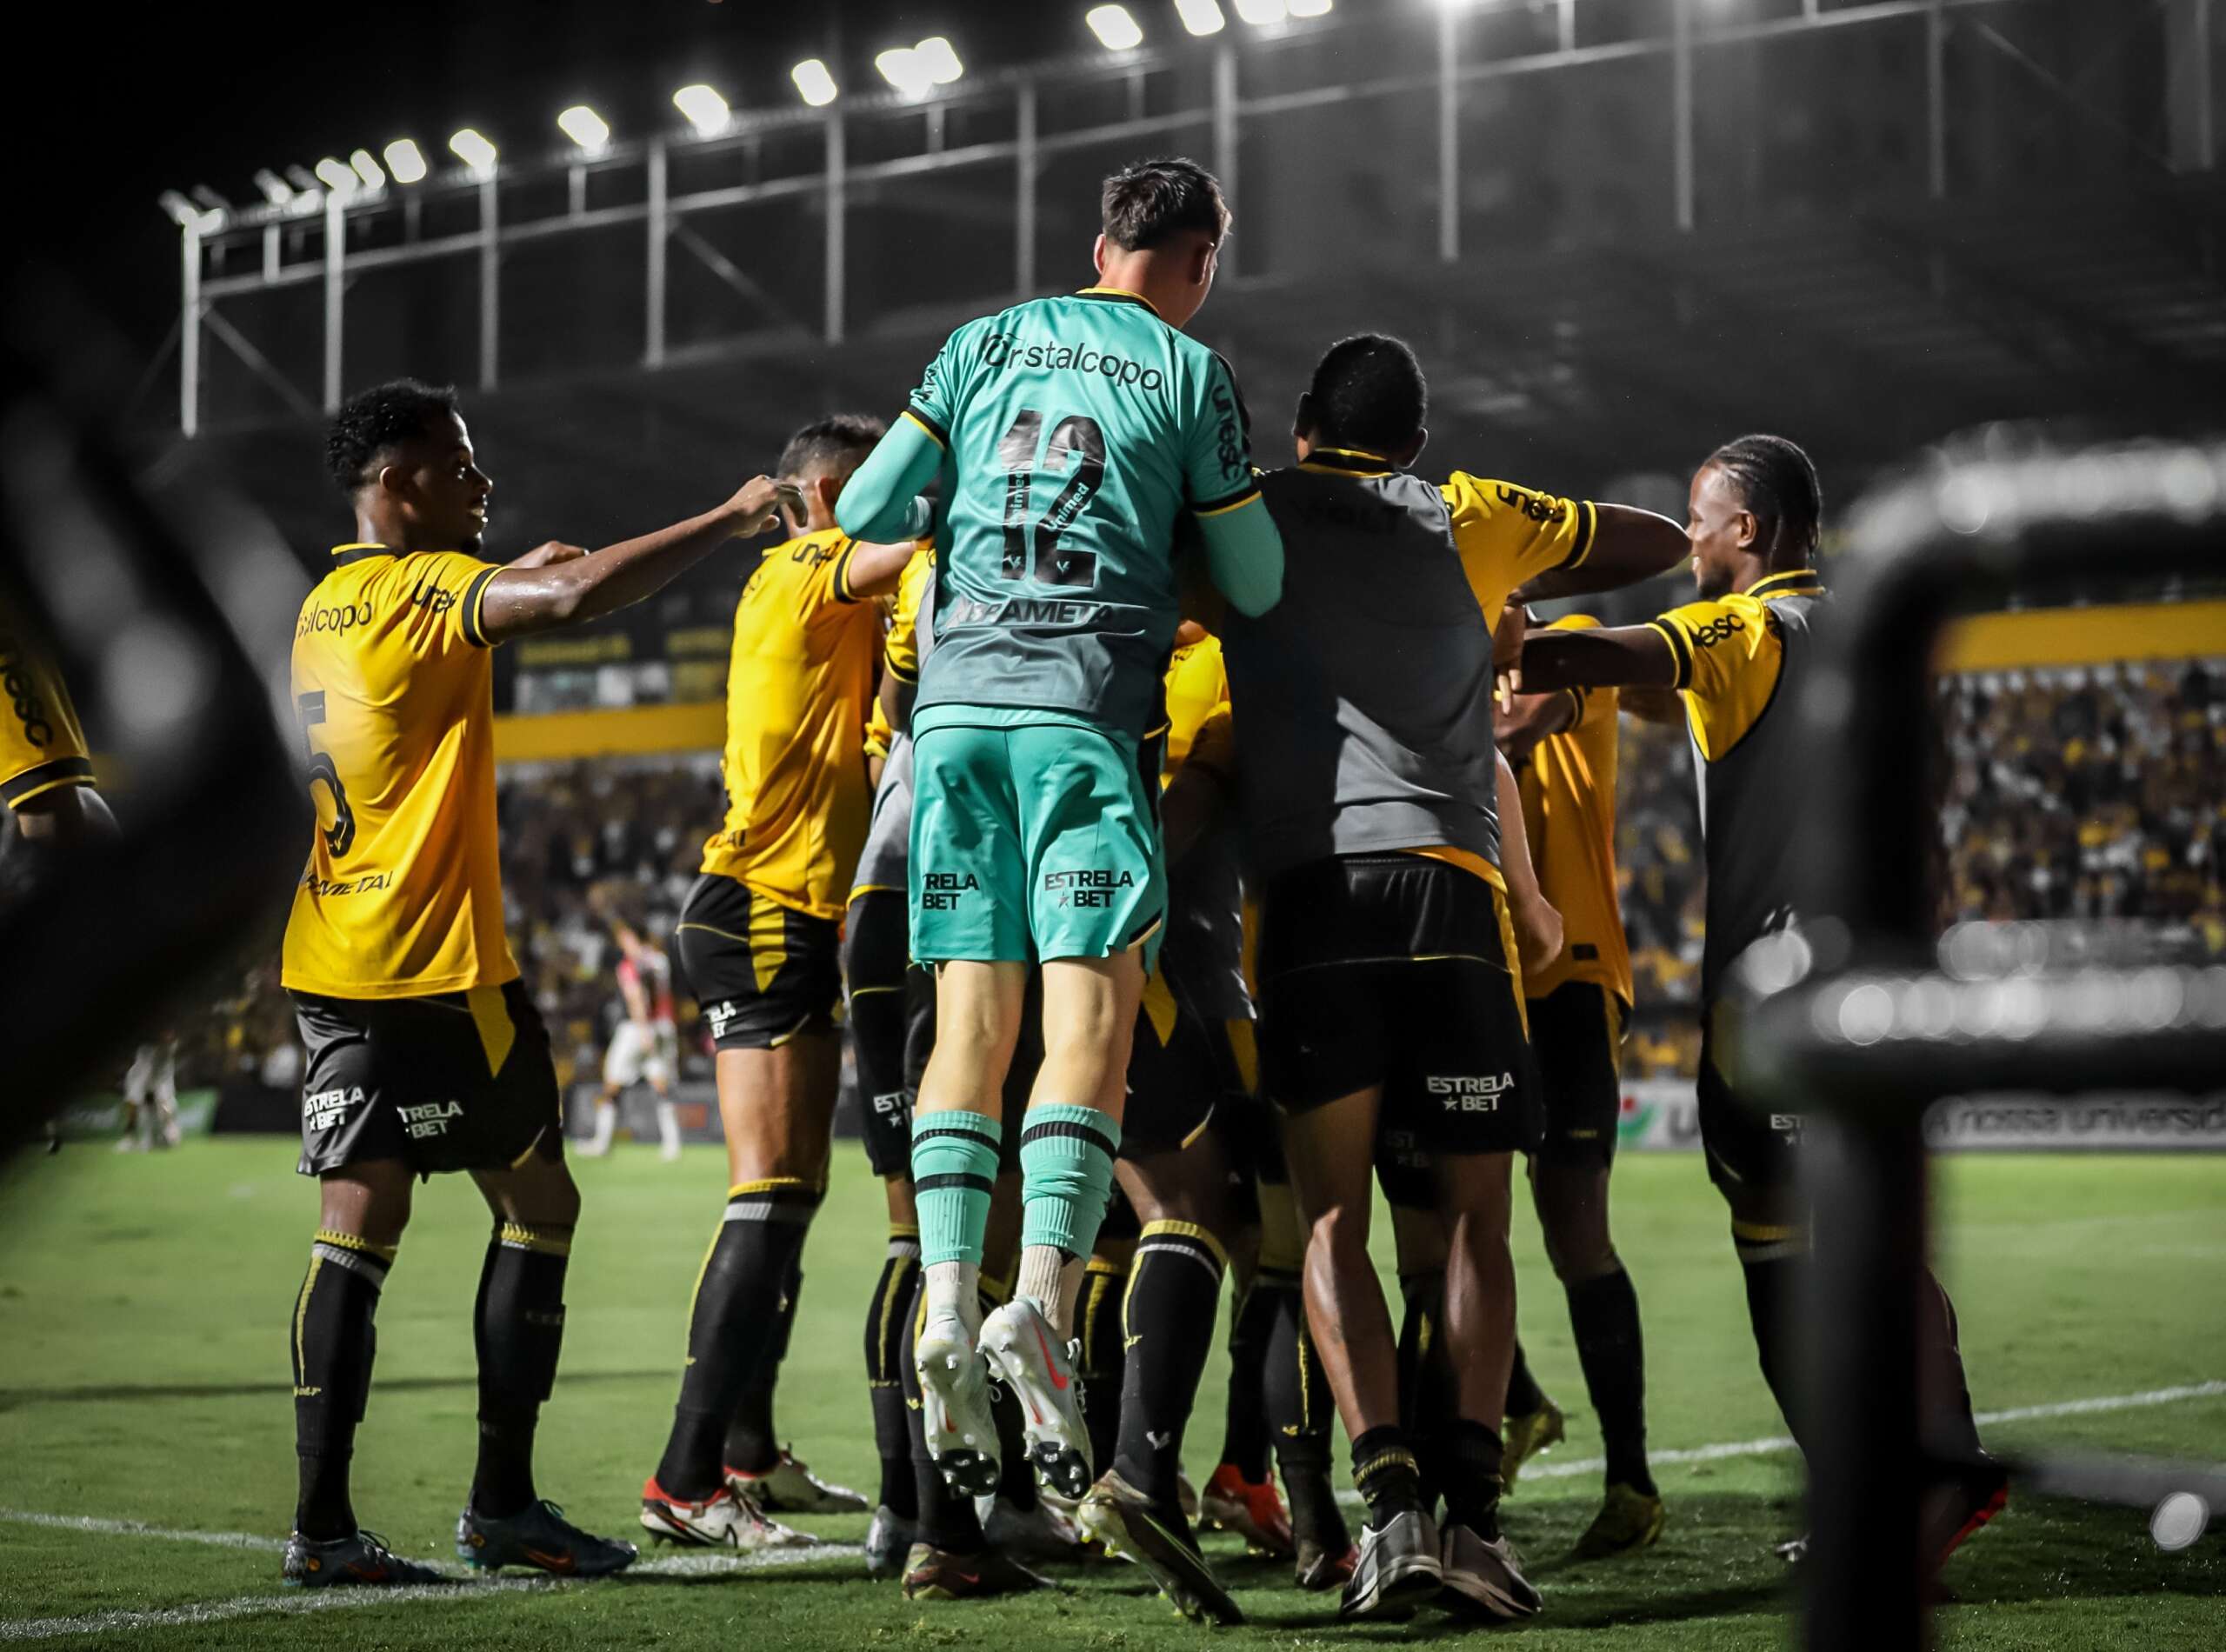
x,y
962,1435
723,1520
790,1487
1018,1345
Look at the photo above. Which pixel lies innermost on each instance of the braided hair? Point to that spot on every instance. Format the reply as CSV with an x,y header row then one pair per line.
x,y
1777,481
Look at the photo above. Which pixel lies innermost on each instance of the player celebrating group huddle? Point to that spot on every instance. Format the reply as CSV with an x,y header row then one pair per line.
x,y
758,939
1368,785
426,1054
1068,434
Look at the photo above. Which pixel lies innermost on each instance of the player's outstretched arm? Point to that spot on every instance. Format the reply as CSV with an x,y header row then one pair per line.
x,y
1617,656
553,586
1244,554
882,502
1627,545
1537,922
874,570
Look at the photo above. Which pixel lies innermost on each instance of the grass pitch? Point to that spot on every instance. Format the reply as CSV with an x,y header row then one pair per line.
x,y
143,1308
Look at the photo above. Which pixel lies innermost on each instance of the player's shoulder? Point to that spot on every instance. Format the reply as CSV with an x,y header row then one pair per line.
x,y
1574,622
1469,494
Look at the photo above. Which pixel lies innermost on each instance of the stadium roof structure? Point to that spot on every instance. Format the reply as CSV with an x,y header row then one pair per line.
x,y
822,253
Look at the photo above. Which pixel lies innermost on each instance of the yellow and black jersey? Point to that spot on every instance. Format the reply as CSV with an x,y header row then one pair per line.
x,y
798,684
900,649
40,745
1730,655
1734,657
1201,962
1197,707
1568,784
1509,535
393,687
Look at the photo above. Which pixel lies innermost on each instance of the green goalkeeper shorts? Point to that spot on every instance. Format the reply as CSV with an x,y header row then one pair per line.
x,y
1032,840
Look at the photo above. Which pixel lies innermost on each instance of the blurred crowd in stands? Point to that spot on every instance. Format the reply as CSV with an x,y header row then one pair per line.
x,y
2090,793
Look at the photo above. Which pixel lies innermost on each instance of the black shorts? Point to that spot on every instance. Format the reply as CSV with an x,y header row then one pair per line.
x,y
1396,971
453,1081
1747,1148
1175,1084
1577,1036
762,972
892,1009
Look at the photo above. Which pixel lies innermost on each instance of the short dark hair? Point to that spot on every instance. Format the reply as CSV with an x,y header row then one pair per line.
x,y
378,420
1149,204
1367,393
1777,481
830,440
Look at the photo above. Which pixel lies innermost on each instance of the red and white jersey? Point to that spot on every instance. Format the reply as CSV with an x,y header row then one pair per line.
x,y
651,972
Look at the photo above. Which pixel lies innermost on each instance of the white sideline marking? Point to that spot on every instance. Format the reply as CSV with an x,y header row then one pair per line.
x,y
47,1629
337,1600
1568,1467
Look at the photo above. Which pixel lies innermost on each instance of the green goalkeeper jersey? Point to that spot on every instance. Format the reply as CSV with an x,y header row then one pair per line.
x,y
1075,431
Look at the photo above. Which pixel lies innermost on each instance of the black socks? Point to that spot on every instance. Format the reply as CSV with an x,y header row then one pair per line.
x,y
1385,1470
1105,1359
1471,1456
1604,1313
1244,1438
888,1315
333,1344
519,1329
735,1325
1168,1317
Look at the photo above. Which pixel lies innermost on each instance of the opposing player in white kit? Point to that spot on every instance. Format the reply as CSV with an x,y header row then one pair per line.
x,y
151,1097
645,1047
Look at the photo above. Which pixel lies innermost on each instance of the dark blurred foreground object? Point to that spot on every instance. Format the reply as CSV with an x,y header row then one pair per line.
x,y
142,608
1864,1020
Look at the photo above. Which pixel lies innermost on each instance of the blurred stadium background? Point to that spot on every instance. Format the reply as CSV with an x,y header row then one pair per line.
x,y
1617,231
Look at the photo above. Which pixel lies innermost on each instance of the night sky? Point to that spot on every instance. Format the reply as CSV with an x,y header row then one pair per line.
x,y
156,97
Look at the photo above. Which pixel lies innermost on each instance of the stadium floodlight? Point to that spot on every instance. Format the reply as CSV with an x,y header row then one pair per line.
x,y
181,211
368,169
939,59
1310,8
303,181
405,161
208,198
585,128
900,67
1257,12
335,174
275,188
814,82
1115,29
1200,16
706,111
473,150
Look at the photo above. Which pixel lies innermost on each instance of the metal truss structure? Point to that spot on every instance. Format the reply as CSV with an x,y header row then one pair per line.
x,y
327,239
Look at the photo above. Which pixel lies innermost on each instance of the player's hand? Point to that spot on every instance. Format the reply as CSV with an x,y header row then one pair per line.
x,y
1507,653
545,555
754,505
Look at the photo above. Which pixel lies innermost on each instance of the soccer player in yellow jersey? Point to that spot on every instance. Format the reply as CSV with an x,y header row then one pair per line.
x,y
759,938
1738,655
425,1053
46,775
1564,746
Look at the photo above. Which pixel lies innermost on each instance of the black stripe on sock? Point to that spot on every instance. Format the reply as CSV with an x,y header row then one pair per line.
x,y
955,1179
1069,1127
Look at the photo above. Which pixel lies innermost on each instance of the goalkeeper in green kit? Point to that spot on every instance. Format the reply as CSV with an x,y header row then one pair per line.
x,y
1069,435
